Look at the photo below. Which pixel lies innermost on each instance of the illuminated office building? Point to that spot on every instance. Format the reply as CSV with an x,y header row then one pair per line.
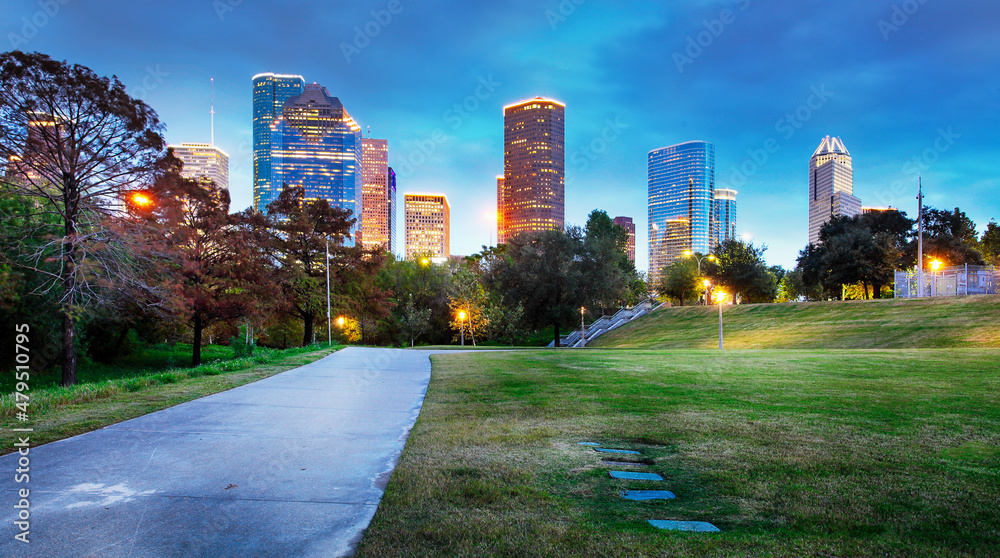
x,y
831,185
270,91
316,144
203,162
531,196
725,215
427,226
681,196
393,243
376,224
627,224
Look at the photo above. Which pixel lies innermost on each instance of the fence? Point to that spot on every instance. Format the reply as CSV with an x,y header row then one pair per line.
x,y
948,281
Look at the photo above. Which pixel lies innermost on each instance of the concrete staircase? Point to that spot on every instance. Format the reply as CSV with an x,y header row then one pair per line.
x,y
606,323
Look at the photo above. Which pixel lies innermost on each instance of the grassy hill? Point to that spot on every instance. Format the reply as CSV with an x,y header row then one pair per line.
x,y
965,322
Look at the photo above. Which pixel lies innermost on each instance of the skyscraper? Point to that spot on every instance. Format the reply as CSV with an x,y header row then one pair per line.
x,y
375,221
203,162
681,195
427,226
270,91
627,224
317,145
831,185
725,215
533,188
393,243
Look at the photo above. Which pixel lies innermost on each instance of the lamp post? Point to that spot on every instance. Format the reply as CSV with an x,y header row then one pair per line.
x,y
461,317
707,284
709,257
583,330
720,297
329,328
935,265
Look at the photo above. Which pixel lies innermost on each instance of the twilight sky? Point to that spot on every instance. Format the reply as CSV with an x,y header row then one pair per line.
x,y
911,86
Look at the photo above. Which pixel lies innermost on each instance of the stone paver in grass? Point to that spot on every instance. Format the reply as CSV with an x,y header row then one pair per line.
x,y
696,526
632,475
624,463
610,450
648,494
588,444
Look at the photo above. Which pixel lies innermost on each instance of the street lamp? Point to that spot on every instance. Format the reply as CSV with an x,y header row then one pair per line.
x,y
583,330
935,265
707,284
461,317
720,297
709,257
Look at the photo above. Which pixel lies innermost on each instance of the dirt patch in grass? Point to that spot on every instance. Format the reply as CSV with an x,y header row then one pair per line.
x,y
834,453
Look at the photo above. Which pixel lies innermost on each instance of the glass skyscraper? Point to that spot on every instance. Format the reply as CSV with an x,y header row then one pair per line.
x,y
681,200
316,144
725,215
270,91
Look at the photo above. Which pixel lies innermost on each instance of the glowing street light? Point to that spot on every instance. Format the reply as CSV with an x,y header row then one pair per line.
x,y
935,265
461,317
709,257
141,200
340,322
583,329
720,297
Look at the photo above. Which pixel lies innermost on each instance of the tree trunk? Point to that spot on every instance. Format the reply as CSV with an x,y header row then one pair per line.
x,y
69,352
556,326
308,329
69,286
196,352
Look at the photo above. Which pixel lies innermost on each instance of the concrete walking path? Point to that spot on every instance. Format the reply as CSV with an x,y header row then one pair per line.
x,y
292,465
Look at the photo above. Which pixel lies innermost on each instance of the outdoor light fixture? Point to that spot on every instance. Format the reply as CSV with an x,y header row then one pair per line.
x,y
340,321
720,297
461,317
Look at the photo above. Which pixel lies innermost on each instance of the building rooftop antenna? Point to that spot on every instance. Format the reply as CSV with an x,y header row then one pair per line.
x,y
212,112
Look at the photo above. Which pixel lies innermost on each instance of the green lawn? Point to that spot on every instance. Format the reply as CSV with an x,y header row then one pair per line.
x,y
964,322
790,453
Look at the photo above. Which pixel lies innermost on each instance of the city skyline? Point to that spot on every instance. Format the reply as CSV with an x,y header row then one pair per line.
x,y
441,108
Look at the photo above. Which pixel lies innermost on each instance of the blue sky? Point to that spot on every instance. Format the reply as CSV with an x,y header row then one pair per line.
x,y
912,87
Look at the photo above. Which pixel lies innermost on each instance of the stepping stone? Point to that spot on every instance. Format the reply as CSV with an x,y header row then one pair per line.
x,y
631,475
587,444
648,494
670,525
624,463
609,450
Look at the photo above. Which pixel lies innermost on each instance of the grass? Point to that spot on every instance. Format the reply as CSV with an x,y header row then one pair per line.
x,y
964,322
790,453
57,412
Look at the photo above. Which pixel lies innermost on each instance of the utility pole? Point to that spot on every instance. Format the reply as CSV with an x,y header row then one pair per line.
x,y
920,237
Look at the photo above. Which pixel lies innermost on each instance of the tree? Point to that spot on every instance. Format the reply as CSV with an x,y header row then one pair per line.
x,y
301,230
680,280
355,287
740,269
613,279
544,272
949,236
468,302
415,321
221,261
77,142
989,244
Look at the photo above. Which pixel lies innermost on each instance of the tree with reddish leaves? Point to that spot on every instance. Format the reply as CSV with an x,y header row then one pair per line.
x,y
223,270
74,143
301,230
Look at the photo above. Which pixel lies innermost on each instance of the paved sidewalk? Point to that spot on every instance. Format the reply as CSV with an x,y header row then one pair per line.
x,y
293,465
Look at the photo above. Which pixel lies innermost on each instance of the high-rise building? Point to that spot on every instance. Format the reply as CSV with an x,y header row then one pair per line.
x,y
499,213
393,243
681,196
376,228
427,219
533,189
627,224
270,91
316,144
831,185
204,162
725,215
